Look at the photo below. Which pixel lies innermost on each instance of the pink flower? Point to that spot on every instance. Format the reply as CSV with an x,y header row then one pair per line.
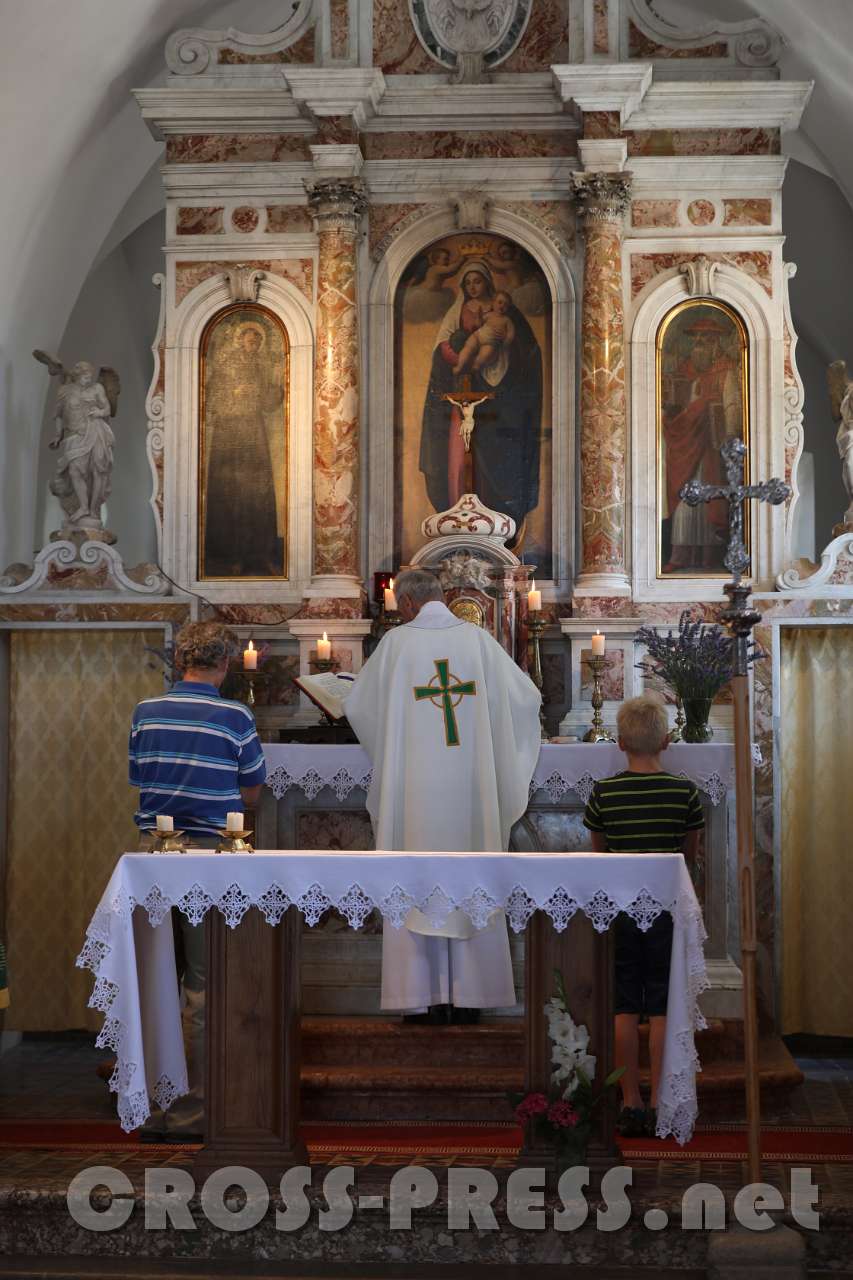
x,y
535,1104
563,1115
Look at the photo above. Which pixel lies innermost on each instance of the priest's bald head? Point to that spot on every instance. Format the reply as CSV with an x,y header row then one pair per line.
x,y
414,588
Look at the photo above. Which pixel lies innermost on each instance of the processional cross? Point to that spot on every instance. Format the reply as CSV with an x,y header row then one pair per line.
x,y
446,695
740,619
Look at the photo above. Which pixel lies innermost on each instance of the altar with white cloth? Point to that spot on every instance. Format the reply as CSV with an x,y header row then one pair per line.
x,y
315,797
130,950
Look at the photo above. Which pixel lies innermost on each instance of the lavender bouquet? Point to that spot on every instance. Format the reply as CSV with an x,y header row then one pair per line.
x,y
696,662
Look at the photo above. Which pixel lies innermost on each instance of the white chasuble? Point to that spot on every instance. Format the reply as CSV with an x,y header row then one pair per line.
x,y
451,726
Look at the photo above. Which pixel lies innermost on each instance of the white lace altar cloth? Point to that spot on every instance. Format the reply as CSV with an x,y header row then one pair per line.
x,y
131,951
562,767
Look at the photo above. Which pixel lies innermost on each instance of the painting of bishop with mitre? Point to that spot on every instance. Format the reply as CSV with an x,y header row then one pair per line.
x,y
702,402
243,471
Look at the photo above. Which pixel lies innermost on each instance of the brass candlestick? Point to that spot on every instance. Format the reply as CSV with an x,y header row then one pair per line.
x,y
234,842
319,665
164,842
675,733
597,731
536,624
251,678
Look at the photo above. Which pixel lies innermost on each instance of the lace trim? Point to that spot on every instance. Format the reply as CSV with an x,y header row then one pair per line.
x,y
311,783
677,1110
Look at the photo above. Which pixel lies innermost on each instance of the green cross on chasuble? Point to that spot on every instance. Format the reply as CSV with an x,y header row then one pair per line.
x,y
446,691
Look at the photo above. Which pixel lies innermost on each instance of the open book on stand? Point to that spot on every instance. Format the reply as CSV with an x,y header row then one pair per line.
x,y
327,690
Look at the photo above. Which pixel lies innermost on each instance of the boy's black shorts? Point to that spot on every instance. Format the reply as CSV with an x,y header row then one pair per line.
x,y
642,965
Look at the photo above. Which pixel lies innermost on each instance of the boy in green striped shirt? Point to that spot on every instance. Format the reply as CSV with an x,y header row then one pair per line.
x,y
644,809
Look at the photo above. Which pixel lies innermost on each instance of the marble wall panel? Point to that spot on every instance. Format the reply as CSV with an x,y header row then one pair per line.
x,y
334,607
72,611
747,213
245,219
301,51
339,27
701,212
600,37
654,213
601,124
704,142
335,829
284,218
447,145
207,221
555,217
545,41
383,218
299,271
641,45
396,47
754,262
238,148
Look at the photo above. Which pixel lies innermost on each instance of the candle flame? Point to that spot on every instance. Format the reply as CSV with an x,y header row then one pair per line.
x,y
391,585
251,646
325,637
598,633
532,584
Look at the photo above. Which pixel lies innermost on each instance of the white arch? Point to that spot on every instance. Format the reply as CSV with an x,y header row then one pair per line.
x,y
435,224
762,318
185,325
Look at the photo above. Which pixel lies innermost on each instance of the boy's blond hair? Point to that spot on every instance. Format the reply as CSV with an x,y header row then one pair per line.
x,y
642,724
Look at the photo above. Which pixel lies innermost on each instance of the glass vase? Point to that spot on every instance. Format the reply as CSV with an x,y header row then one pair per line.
x,y
696,714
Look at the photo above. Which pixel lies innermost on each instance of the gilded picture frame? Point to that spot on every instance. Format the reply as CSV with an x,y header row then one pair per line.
x,y
701,399
243,446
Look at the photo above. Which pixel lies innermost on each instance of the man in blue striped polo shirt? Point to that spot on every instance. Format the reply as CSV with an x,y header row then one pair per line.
x,y
195,756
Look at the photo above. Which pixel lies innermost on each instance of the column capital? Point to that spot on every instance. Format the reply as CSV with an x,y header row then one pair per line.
x,y
602,197
337,204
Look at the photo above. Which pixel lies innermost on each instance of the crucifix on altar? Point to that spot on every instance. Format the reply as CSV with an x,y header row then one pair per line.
x,y
740,619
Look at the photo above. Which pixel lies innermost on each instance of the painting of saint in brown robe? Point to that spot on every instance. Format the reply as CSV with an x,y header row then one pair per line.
x,y
243,465
702,402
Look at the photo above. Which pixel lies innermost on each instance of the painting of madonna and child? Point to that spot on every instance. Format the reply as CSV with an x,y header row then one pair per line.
x,y
473,314
702,398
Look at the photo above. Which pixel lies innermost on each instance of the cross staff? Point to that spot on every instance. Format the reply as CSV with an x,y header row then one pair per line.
x,y
740,618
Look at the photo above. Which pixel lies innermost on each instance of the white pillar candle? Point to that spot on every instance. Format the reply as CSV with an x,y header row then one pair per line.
x,y
165,823
234,822
598,645
324,649
390,598
250,658
534,598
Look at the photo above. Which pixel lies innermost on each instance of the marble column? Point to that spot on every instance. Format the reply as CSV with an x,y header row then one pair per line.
x,y
602,198
337,205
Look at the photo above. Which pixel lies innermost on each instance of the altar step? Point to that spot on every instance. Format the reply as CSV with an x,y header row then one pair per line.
x,y
384,1069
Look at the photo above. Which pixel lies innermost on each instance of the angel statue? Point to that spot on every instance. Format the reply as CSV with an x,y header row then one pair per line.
x,y
86,400
841,399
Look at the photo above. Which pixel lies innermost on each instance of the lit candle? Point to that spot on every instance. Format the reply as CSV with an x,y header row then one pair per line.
x,y
234,822
534,598
598,645
165,823
390,598
250,658
324,649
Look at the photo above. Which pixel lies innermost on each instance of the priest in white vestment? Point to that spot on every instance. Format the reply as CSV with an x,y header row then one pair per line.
x,y
451,726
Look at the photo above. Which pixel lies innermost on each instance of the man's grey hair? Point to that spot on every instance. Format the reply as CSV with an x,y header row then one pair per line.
x,y
419,585
203,646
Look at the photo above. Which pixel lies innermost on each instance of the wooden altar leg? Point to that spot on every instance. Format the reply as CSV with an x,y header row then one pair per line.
x,y
585,961
253,1045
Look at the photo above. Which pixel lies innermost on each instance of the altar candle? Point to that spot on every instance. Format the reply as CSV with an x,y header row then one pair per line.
x,y
390,598
165,823
250,658
598,645
324,649
234,822
534,598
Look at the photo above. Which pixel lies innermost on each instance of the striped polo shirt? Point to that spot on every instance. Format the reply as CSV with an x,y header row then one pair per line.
x,y
644,812
190,753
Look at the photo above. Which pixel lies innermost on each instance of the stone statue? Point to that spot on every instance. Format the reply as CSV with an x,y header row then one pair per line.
x,y
85,402
841,398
